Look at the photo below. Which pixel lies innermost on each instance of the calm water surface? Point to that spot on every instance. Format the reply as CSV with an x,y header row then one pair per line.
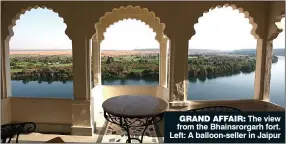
x,y
239,86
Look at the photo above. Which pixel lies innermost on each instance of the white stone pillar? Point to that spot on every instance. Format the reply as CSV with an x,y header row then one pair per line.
x,y
80,68
163,63
81,122
5,69
96,58
5,86
263,69
1,70
178,67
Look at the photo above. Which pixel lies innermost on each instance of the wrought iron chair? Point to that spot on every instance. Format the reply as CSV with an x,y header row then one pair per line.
x,y
8,131
215,109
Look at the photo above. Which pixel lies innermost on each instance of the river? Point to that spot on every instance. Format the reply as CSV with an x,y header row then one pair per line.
x,y
239,86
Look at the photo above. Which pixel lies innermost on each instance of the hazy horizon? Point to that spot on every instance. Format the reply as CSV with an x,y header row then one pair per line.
x,y
43,29
124,50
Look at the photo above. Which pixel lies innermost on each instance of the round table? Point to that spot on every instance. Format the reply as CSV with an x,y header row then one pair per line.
x,y
134,111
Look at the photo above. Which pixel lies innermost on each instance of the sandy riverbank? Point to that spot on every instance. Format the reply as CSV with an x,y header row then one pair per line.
x,y
69,52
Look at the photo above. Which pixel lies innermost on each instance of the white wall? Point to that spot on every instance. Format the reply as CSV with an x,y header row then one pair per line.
x,y
111,91
5,111
41,110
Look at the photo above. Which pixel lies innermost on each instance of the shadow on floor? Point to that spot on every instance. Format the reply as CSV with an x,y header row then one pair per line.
x,y
113,133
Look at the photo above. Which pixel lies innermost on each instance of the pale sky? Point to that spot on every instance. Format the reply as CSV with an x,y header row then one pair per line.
x,y
44,29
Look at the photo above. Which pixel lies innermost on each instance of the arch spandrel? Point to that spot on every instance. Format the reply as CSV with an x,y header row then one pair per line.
x,y
130,12
276,11
274,30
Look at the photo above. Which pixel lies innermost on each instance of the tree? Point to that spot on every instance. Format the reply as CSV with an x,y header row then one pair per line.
x,y
109,60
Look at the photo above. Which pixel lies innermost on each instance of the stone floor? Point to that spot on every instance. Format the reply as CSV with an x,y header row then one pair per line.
x,y
114,134
109,133
41,138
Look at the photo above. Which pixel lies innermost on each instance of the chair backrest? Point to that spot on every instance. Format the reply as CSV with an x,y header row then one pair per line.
x,y
8,131
216,109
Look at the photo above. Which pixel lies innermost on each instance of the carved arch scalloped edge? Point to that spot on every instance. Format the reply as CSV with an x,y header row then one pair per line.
x,y
123,9
127,19
277,30
234,7
23,11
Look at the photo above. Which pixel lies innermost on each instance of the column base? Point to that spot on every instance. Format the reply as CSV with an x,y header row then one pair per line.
x,y
81,131
81,118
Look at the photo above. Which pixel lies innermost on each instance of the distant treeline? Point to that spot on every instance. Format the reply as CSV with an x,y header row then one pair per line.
x,y
276,52
40,80
45,72
59,67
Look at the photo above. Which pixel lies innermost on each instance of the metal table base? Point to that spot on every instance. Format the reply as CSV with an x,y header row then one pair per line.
x,y
127,122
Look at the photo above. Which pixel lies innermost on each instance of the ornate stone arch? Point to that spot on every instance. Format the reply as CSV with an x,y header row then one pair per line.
x,y
128,12
6,63
23,11
253,31
241,10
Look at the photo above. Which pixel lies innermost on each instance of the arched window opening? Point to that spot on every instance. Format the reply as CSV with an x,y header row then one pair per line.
x,y
41,56
222,57
277,82
130,54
